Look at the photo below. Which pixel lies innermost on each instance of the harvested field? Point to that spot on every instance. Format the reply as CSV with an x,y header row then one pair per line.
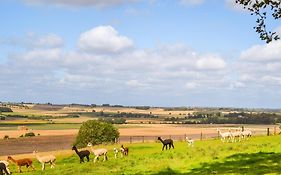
x,y
53,140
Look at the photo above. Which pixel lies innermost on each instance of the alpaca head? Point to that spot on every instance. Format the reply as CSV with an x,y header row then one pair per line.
x,y
74,148
9,158
34,152
90,144
159,138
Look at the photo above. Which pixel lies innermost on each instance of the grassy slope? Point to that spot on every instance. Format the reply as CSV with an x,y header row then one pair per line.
x,y
259,155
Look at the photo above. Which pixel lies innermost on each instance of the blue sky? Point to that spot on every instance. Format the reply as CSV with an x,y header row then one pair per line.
x,y
136,52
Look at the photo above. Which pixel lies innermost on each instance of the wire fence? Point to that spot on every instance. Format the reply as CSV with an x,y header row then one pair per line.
x,y
195,136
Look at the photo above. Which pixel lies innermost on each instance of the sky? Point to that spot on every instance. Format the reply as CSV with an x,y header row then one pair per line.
x,y
137,52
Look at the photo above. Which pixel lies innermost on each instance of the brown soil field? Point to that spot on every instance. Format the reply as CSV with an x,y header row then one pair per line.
x,y
53,140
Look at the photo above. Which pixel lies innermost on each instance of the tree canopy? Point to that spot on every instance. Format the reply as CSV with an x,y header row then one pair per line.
x,y
261,8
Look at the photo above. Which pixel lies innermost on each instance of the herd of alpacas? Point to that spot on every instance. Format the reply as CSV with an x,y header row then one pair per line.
x,y
229,136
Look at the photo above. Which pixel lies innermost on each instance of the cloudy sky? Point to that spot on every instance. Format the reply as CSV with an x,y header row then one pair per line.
x,y
136,52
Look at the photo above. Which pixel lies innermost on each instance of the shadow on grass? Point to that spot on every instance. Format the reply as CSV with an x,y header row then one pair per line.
x,y
254,163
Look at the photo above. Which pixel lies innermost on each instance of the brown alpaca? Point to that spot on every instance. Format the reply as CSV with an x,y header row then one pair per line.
x,y
22,162
124,150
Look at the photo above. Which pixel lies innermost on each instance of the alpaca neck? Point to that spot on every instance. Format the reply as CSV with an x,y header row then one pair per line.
x,y
13,160
161,141
37,157
77,152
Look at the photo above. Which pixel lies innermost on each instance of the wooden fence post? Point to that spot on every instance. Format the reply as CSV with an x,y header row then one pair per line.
x,y
267,131
274,130
130,139
201,136
218,135
242,128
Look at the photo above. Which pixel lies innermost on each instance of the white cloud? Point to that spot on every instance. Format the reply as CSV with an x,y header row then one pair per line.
x,y
79,3
49,40
103,39
191,2
209,62
266,52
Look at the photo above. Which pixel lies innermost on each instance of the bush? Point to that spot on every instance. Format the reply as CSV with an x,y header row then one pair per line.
x,y
96,132
2,117
6,137
29,134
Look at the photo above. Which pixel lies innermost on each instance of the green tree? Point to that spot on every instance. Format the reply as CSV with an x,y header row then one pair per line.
x,y
261,8
96,132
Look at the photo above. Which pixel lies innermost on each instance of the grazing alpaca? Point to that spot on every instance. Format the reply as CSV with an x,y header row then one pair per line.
x,y
167,142
22,162
45,159
82,154
225,135
98,152
115,150
124,150
189,141
246,134
7,165
3,168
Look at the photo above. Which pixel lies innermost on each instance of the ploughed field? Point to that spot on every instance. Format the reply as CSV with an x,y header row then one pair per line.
x,y
258,155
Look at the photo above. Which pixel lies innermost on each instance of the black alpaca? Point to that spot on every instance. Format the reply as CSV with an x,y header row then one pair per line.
x,y
3,168
167,142
82,154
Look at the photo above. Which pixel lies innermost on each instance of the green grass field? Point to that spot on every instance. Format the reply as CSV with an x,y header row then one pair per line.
x,y
259,155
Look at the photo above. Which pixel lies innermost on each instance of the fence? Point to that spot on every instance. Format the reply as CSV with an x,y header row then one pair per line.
x,y
197,136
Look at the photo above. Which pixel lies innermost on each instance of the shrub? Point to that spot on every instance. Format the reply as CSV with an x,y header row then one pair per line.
x,y
2,117
96,132
29,134
6,137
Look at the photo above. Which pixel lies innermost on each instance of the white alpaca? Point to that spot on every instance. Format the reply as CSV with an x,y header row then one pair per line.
x,y
225,135
98,152
115,150
45,159
236,134
246,134
189,141
7,165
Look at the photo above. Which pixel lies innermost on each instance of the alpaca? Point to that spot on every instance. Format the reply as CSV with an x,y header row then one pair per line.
x,y
98,152
7,165
45,159
246,134
22,162
115,150
124,150
225,135
167,142
3,168
237,134
82,154
190,142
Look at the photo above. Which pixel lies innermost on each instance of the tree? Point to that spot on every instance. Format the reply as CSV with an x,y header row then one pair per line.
x,y
260,8
96,132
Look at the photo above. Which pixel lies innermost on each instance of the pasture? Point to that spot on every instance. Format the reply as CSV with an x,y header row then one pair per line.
x,y
258,155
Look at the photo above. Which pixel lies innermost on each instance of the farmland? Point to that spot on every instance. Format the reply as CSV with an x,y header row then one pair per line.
x,y
51,123
259,155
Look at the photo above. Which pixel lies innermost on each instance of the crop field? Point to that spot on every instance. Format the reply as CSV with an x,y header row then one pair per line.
x,y
258,155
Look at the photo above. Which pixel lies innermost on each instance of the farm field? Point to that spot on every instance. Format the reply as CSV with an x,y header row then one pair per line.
x,y
258,155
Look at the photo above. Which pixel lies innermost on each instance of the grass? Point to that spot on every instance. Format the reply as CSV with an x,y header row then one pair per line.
x,y
259,155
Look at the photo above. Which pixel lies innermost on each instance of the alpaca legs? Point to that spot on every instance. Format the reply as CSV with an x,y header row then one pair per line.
x,y
95,159
43,166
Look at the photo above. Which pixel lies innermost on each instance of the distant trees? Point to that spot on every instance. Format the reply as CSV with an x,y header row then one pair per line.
x,y
261,8
5,109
